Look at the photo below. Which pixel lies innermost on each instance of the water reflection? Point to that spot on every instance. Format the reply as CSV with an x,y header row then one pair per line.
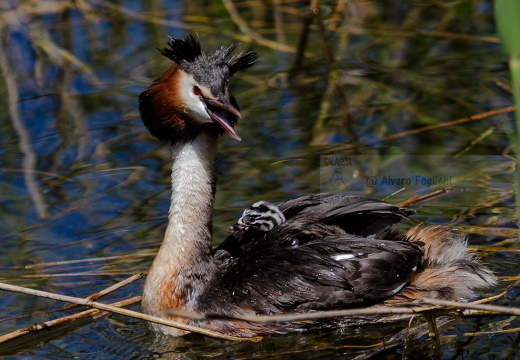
x,y
81,179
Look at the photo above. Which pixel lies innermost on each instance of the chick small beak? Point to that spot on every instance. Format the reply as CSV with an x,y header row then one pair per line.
x,y
217,109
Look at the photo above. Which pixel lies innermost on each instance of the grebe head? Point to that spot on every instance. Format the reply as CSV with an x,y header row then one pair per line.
x,y
193,95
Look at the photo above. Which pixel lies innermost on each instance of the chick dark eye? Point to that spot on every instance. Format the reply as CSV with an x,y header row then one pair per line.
x,y
197,91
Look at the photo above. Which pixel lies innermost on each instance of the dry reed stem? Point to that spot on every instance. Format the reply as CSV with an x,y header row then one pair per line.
x,y
416,200
110,289
490,298
115,287
81,315
306,316
500,310
494,332
477,117
510,278
433,333
78,261
460,308
116,310
398,32
63,320
419,310
468,309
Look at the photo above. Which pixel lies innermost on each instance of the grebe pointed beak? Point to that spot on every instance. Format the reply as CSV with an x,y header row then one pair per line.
x,y
217,109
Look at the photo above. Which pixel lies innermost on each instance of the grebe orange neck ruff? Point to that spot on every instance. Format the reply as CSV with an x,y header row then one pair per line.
x,y
312,253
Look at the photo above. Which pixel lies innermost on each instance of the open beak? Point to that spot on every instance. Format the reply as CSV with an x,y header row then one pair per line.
x,y
219,110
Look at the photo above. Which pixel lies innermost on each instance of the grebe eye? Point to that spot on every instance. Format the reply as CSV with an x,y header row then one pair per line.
x,y
197,91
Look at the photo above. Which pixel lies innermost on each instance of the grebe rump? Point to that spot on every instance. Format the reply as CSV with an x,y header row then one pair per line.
x,y
312,253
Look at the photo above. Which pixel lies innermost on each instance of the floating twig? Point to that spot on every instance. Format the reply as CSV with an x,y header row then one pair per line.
x,y
110,289
63,320
398,32
307,316
116,310
472,309
69,318
416,200
501,310
494,332
468,309
490,298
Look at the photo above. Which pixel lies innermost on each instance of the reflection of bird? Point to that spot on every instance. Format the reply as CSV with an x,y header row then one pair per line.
x,y
330,252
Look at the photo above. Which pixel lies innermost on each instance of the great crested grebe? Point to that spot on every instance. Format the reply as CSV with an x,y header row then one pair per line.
x,y
312,253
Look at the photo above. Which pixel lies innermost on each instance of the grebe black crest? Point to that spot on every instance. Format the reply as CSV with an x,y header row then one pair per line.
x,y
311,253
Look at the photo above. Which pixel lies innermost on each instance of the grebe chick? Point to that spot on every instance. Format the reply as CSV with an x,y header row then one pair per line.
x,y
255,222
331,252
261,216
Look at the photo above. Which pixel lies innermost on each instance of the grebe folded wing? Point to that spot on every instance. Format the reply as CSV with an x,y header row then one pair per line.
x,y
322,268
356,215
352,214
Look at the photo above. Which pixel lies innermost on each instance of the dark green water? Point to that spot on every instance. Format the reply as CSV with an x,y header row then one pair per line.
x,y
84,190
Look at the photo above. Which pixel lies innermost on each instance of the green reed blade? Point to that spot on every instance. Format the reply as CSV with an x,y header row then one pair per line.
x,y
507,16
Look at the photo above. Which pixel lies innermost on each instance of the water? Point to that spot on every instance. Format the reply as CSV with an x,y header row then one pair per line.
x,y
84,189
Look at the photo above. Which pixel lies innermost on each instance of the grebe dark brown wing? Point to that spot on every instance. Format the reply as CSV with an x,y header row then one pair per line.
x,y
356,215
321,267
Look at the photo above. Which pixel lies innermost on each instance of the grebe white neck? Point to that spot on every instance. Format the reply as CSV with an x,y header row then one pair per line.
x,y
184,265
